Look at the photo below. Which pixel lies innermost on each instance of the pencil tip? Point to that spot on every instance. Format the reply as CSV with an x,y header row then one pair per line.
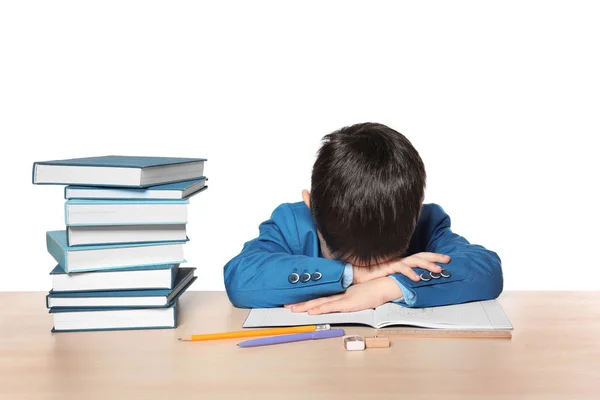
x,y
178,338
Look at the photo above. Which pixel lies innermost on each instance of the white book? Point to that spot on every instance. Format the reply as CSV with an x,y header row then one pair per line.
x,y
132,278
125,212
480,315
116,234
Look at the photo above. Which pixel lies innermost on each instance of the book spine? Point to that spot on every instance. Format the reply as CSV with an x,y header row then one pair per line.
x,y
173,275
175,312
68,234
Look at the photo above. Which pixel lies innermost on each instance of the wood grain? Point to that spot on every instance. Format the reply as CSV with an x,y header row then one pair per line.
x,y
554,353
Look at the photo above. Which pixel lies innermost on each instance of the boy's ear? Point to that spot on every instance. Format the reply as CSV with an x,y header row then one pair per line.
x,y
306,197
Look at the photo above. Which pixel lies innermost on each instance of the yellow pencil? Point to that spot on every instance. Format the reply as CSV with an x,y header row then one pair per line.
x,y
255,332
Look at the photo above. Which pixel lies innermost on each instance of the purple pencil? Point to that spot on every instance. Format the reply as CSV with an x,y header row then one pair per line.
x,y
295,337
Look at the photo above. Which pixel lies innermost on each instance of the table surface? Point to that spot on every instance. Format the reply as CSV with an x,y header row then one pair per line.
x,y
554,353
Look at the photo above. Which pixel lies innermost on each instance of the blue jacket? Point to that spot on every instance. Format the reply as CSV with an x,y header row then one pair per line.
x,y
260,275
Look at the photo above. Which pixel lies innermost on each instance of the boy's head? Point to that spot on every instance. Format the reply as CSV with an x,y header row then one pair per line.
x,y
367,189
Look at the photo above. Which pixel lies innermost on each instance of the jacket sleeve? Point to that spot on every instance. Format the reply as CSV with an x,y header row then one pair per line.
x,y
263,274
475,272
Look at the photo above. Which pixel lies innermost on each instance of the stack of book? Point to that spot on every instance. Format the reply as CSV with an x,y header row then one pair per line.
x,y
120,253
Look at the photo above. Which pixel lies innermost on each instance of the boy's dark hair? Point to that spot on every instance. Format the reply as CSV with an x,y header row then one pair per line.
x,y
367,188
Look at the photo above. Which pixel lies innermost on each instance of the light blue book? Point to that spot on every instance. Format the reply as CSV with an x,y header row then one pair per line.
x,y
179,190
125,234
115,170
106,257
161,276
125,212
122,298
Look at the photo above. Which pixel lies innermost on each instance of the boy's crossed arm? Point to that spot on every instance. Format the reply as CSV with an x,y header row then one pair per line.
x,y
471,273
374,285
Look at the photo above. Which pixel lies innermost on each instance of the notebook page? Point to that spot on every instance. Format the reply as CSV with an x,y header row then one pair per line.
x,y
474,315
267,317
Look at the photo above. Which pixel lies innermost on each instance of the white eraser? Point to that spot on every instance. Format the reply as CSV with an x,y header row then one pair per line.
x,y
354,342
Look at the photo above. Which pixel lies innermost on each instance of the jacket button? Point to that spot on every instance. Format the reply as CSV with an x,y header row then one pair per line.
x,y
305,277
445,273
293,278
316,276
435,275
425,276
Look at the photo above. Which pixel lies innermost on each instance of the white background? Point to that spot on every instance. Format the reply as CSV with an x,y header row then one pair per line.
x,y
501,99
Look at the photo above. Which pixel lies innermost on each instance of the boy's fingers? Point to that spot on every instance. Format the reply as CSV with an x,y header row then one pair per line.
x,y
408,271
340,305
429,266
391,268
302,307
404,269
433,257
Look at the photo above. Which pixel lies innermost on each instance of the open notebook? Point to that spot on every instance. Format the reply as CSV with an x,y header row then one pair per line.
x,y
482,315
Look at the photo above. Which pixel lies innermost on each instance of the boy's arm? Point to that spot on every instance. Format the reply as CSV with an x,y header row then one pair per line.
x,y
272,269
476,273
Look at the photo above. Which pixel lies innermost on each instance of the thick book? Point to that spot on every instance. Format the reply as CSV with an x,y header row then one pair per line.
x,y
117,170
122,298
111,319
125,234
125,212
179,190
148,277
106,257
481,315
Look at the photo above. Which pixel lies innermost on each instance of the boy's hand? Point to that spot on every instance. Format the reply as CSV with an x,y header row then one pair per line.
x,y
402,266
366,295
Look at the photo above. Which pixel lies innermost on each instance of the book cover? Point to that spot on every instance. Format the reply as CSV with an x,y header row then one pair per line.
x,y
178,190
117,170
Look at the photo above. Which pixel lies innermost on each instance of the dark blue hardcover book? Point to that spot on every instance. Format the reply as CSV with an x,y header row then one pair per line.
x,y
161,276
122,298
117,170
115,319
179,190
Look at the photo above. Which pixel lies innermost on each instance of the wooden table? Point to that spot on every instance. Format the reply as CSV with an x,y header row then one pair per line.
x,y
554,354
